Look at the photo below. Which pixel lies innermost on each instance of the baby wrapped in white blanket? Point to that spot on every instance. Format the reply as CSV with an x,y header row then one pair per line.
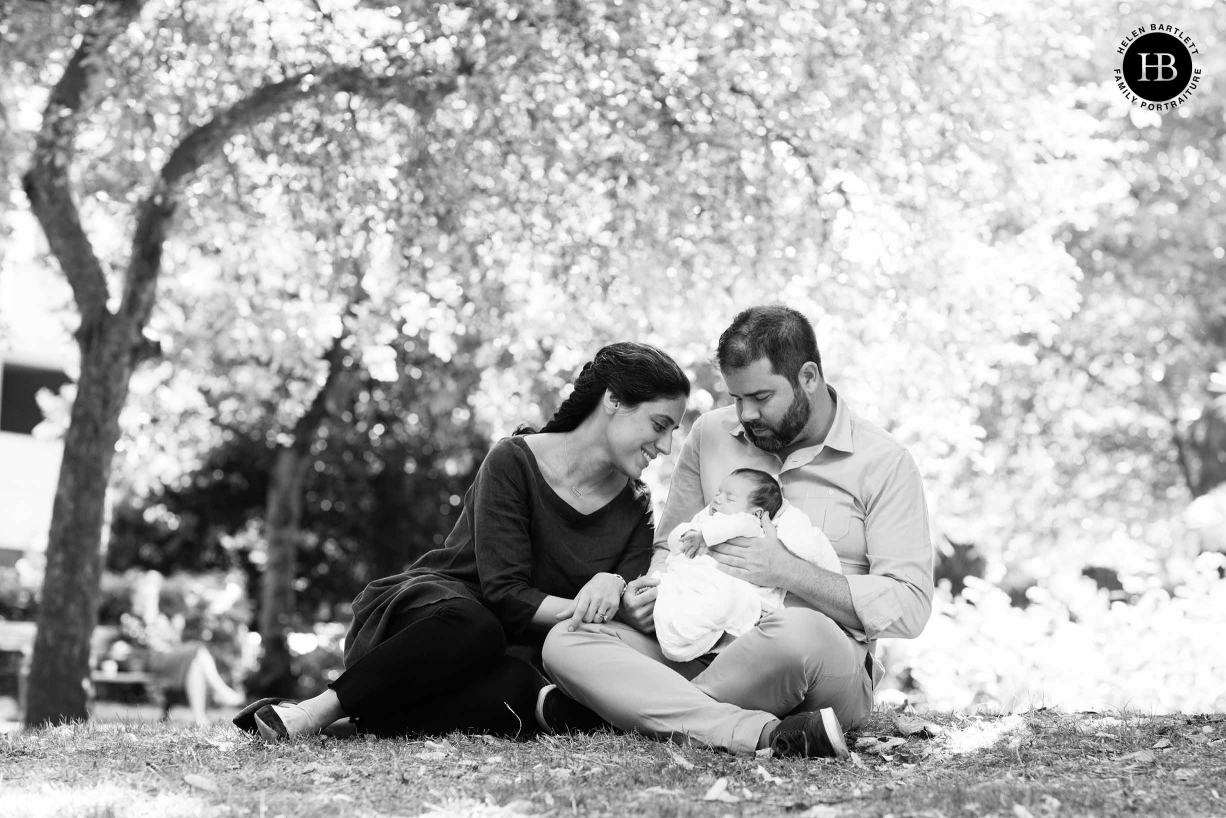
x,y
697,602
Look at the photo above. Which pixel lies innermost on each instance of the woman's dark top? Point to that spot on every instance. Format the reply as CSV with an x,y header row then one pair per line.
x,y
515,543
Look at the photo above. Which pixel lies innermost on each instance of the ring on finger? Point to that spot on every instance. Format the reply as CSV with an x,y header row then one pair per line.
x,y
600,617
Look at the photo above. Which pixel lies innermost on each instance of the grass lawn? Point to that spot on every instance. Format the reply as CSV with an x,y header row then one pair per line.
x,y
1041,763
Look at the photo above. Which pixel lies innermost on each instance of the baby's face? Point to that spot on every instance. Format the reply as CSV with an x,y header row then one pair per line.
x,y
732,496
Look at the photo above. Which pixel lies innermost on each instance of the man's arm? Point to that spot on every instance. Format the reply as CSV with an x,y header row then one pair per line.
x,y
765,561
894,599
684,501
684,494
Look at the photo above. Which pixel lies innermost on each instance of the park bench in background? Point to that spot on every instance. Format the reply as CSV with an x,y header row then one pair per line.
x,y
106,683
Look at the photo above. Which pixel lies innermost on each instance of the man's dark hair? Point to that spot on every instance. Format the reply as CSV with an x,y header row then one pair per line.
x,y
766,493
780,334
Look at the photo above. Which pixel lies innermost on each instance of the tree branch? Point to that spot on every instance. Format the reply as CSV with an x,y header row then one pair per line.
x,y
420,90
46,183
1181,458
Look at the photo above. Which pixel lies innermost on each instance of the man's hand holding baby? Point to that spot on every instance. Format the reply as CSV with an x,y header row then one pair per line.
x,y
761,560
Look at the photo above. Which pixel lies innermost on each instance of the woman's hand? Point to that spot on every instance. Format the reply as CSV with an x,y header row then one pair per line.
x,y
596,602
639,604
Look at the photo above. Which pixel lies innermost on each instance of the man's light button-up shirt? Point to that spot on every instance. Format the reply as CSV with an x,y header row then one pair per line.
x,y
859,486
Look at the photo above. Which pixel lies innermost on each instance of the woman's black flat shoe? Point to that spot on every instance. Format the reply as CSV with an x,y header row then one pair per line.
x,y
245,720
270,725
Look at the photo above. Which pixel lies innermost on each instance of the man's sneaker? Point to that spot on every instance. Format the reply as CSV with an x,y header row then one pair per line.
x,y
558,713
814,734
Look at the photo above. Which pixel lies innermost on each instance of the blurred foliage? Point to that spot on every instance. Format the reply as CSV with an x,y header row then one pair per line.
x,y
384,488
1011,269
1072,648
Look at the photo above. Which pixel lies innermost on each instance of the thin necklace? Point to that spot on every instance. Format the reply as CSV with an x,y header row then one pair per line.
x,y
579,495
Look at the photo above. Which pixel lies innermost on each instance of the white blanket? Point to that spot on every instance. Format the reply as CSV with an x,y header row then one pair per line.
x,y
697,603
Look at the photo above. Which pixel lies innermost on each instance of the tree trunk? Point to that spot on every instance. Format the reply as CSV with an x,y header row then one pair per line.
x,y
1207,439
67,614
278,600
391,530
111,343
283,521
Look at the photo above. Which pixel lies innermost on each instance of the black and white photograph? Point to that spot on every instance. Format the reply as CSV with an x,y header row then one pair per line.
x,y
664,408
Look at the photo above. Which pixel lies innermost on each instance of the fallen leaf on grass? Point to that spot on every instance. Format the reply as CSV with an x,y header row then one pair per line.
x,y
1162,743
719,792
859,762
1186,773
915,726
431,755
681,761
443,746
1021,812
767,777
914,752
200,782
881,746
1139,757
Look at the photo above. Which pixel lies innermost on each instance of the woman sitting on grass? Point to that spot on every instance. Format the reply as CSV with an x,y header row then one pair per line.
x,y
552,528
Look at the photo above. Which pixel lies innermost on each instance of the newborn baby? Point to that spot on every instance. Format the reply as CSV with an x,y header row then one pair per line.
x,y
697,602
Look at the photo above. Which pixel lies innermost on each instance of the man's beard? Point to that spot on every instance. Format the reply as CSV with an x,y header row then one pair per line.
x,y
771,439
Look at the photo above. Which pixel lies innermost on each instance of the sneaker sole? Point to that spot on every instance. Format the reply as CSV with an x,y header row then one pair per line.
x,y
540,707
834,733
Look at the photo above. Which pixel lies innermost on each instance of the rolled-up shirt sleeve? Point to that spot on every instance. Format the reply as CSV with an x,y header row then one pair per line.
x,y
894,599
502,541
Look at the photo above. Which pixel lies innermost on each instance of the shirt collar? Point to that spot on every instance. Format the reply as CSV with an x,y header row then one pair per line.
x,y
839,436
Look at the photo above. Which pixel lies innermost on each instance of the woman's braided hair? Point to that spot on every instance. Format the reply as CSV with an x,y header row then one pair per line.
x,y
632,373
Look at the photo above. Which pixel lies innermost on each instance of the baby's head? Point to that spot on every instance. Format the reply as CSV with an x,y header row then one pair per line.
x,y
748,490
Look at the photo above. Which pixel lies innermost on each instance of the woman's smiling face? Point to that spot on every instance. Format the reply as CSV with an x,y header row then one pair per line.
x,y
638,435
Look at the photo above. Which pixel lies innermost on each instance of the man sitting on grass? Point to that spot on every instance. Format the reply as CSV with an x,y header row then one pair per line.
x,y
804,671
